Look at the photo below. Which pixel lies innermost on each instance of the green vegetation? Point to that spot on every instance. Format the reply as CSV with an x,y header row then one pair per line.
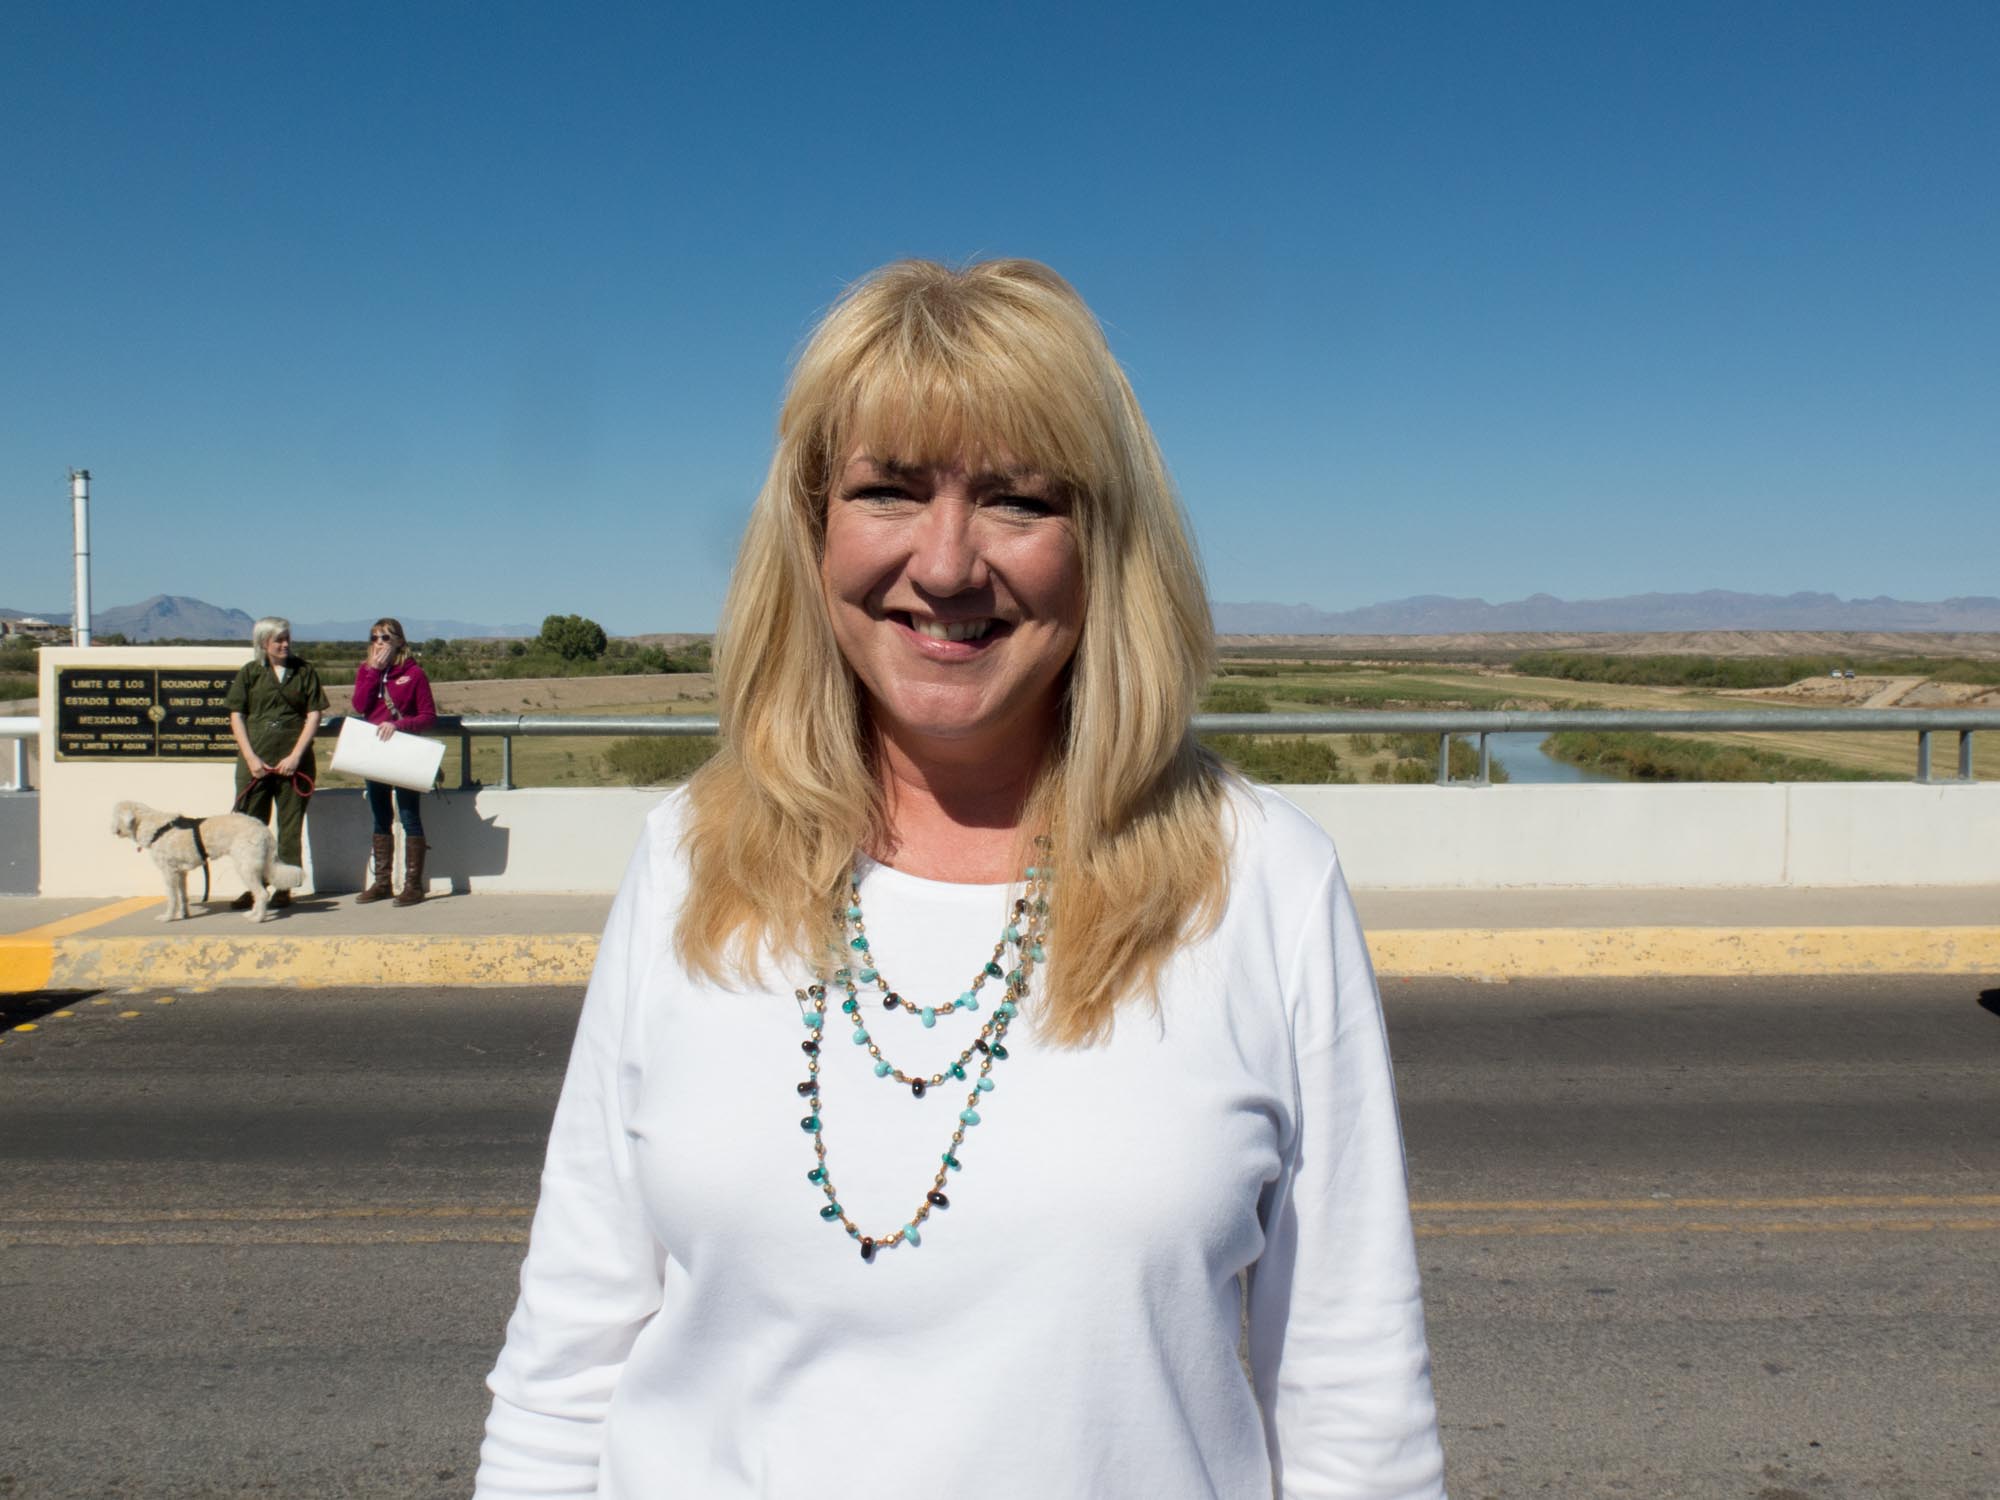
x,y
573,638
1415,760
1742,671
1234,698
484,660
1660,757
658,762
1284,761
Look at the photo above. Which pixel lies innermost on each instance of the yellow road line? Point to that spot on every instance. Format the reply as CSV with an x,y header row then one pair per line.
x,y
169,1238
262,1215
1698,952
1658,1205
82,921
1601,1229
28,958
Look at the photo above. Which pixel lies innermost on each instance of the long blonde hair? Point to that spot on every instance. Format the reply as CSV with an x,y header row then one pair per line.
x,y
919,363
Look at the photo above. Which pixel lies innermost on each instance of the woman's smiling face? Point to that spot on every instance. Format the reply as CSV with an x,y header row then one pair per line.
x,y
957,598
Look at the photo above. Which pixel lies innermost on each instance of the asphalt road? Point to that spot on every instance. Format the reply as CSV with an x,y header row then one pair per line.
x,y
1682,1239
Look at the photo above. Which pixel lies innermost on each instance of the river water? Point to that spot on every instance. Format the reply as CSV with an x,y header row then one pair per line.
x,y
1529,765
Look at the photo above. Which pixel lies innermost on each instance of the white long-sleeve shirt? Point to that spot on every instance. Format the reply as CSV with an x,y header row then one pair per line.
x,y
1068,1329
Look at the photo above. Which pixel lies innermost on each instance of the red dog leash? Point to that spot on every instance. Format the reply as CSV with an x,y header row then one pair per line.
x,y
301,783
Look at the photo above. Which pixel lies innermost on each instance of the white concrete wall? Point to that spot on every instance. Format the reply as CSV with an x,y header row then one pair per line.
x,y
1413,837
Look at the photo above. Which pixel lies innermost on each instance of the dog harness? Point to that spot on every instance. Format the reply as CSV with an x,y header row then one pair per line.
x,y
193,826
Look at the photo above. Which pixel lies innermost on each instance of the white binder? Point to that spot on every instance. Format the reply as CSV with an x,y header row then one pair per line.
x,y
405,760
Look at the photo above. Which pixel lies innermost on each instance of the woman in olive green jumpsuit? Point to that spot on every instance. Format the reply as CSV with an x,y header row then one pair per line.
x,y
275,705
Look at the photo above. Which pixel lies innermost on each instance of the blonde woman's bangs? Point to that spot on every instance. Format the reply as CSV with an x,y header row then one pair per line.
x,y
995,414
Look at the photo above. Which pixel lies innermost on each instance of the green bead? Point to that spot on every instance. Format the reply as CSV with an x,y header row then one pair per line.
x,y
809,1124
817,1174
999,1051
994,970
831,1211
850,1005
859,945
958,1070
951,1161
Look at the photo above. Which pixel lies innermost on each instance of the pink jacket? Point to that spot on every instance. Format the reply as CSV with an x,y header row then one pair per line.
x,y
407,691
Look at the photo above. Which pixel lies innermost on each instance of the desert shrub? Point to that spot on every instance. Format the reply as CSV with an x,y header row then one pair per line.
x,y
1659,757
1283,760
1234,698
651,760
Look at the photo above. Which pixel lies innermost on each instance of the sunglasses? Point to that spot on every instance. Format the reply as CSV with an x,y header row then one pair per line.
x,y
373,638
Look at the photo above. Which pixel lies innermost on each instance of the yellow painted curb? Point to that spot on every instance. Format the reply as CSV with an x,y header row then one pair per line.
x,y
1694,952
93,963
442,962
27,958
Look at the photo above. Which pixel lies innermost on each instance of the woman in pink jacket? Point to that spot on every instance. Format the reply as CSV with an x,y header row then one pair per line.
x,y
390,689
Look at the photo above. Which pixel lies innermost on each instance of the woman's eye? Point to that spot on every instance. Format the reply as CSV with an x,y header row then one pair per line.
x,y
1027,505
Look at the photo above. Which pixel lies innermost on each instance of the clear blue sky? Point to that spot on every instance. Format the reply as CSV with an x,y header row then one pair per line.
x,y
481,310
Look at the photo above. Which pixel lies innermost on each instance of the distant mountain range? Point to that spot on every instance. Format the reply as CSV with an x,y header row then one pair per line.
x,y
1713,609
173,617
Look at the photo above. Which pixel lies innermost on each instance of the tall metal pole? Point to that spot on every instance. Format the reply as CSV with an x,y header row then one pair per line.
x,y
79,501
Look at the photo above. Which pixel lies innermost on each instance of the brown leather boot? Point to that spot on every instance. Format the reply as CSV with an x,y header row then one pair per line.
x,y
382,856
413,872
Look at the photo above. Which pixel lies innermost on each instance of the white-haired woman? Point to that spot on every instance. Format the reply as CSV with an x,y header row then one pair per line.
x,y
275,705
963,1033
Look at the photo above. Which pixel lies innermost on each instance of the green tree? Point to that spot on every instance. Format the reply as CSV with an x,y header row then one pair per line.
x,y
573,638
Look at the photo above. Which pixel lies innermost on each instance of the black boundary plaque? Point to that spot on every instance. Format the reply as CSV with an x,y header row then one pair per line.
x,y
143,713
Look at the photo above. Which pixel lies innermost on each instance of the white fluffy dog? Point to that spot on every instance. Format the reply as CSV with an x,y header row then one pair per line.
x,y
172,841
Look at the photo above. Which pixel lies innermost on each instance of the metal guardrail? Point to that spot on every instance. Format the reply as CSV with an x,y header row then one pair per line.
x,y
1446,725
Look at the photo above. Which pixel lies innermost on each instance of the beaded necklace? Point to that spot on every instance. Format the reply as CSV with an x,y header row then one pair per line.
x,y
1024,933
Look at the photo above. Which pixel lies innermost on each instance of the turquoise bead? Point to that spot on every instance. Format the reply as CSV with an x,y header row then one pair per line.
x,y
850,1005
1035,952
809,1124
928,1016
881,1067
1008,1008
993,969
969,1116
951,1161
910,1234
854,914
968,1001
841,976
1013,934
860,1036
1034,873
957,1070
831,1211
813,1018
859,945
985,1085
869,976
817,1174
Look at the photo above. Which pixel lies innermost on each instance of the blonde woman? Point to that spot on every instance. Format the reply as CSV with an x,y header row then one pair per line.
x,y
963,1034
275,704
